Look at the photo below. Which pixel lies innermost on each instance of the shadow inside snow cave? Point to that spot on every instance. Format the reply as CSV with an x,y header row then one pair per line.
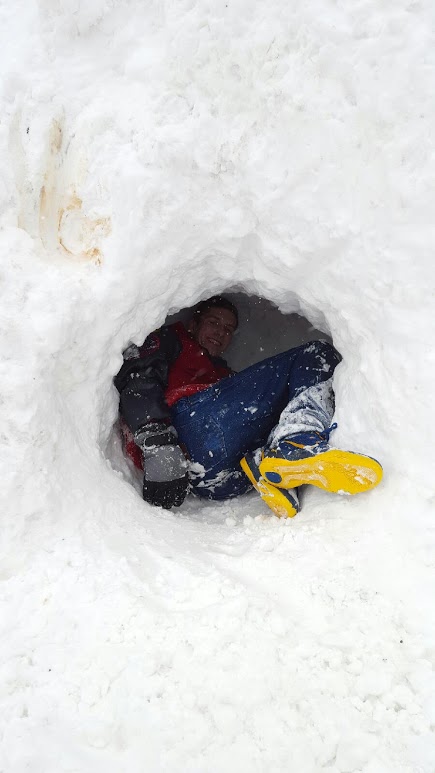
x,y
263,330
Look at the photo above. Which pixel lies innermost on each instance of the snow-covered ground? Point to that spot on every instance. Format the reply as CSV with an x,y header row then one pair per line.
x,y
153,154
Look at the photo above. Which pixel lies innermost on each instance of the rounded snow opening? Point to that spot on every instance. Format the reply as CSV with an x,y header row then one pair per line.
x,y
263,331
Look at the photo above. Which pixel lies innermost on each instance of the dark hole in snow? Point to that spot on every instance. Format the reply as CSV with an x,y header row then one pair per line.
x,y
263,331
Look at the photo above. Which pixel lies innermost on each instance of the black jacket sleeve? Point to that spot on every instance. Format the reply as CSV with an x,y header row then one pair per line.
x,y
142,380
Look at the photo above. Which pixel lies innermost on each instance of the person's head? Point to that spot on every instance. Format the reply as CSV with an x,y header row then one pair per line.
x,y
213,324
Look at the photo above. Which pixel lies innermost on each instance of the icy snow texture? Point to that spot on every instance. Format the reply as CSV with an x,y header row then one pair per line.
x,y
152,154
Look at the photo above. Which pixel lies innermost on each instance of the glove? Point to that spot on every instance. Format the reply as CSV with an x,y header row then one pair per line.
x,y
165,479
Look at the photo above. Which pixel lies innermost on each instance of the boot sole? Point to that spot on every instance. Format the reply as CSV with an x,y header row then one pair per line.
x,y
279,502
341,472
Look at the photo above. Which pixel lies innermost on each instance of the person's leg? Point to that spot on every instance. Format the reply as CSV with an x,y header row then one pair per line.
x,y
213,473
297,451
224,422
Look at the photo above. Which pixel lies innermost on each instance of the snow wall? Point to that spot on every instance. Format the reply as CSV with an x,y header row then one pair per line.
x,y
154,154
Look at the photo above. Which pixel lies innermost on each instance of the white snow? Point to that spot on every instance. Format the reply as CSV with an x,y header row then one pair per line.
x,y
154,154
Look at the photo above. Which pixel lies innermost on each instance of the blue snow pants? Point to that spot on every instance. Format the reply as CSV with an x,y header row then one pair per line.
x,y
220,424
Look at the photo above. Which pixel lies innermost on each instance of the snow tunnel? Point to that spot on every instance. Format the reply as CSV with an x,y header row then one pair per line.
x,y
263,331
155,154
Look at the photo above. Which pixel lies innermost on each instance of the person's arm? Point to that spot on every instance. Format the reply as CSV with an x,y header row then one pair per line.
x,y
141,383
142,380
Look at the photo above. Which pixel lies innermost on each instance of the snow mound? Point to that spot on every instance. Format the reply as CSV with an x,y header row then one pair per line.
x,y
154,154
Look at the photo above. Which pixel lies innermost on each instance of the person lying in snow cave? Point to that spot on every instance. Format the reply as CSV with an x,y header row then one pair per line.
x,y
267,426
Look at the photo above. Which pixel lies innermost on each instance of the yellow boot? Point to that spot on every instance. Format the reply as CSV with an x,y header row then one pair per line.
x,y
283,503
307,458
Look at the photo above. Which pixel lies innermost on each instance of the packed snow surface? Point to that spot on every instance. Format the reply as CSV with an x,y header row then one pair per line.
x,y
154,153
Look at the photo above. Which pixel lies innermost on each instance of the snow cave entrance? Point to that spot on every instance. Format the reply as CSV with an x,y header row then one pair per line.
x,y
262,332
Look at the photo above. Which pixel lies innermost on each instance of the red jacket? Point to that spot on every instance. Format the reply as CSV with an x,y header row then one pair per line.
x,y
193,370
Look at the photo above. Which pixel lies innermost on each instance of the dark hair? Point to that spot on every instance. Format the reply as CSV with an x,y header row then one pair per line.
x,y
216,301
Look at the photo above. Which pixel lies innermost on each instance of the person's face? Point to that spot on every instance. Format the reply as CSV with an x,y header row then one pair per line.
x,y
214,330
